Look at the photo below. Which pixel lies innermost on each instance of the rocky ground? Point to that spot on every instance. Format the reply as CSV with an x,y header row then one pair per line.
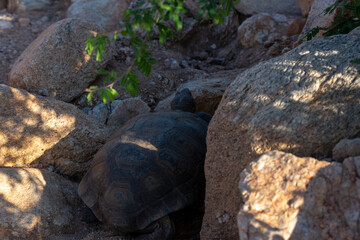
x,y
290,103
204,51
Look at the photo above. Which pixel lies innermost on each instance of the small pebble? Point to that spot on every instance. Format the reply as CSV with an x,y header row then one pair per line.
x,y
203,55
184,64
45,19
86,110
24,22
286,49
174,64
128,61
218,61
44,92
35,30
151,101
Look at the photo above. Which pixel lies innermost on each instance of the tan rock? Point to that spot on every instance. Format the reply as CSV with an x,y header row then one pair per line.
x,y
316,18
303,102
45,132
262,28
27,5
346,148
296,26
37,203
305,6
24,22
56,63
288,197
251,7
104,13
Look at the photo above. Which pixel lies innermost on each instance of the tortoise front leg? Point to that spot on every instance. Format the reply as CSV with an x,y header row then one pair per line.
x,y
161,229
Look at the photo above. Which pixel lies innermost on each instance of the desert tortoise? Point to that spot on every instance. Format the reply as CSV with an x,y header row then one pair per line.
x,y
153,166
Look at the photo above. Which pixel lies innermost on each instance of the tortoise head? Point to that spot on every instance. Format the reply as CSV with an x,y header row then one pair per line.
x,y
183,101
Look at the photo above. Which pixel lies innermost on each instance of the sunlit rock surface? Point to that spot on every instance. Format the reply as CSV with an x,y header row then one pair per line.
x,y
303,102
44,132
56,64
288,197
37,203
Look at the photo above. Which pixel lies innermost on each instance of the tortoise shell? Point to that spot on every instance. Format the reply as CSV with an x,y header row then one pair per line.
x,y
153,166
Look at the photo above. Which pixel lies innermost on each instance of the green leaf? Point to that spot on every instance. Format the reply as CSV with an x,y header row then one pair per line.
x,y
113,92
103,95
103,72
90,97
356,61
94,88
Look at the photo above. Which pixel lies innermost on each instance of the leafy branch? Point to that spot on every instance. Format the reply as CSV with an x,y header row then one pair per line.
x,y
149,15
346,19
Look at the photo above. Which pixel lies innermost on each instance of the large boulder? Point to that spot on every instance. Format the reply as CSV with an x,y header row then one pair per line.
x,y
264,29
56,63
303,102
288,197
104,13
27,5
44,132
251,7
316,18
36,204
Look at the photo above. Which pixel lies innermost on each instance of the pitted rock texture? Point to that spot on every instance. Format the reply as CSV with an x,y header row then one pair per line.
x,y
104,13
56,64
27,5
288,197
303,102
44,132
37,203
251,7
